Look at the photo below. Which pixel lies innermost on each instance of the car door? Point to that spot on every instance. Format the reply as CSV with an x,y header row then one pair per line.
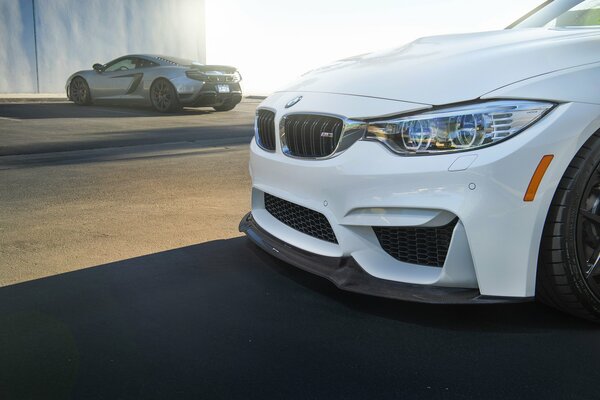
x,y
117,79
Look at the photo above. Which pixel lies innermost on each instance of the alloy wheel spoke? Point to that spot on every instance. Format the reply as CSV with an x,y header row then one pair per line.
x,y
588,232
590,216
593,263
161,96
79,91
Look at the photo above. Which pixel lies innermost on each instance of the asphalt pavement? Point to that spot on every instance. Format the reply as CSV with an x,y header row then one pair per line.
x,y
123,276
84,186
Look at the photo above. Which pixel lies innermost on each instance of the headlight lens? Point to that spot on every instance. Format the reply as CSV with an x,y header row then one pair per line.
x,y
458,128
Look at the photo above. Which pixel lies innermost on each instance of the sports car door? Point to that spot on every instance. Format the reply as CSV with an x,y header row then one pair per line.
x,y
118,79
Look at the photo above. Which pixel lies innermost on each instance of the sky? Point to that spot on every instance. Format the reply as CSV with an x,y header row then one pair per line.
x,y
272,42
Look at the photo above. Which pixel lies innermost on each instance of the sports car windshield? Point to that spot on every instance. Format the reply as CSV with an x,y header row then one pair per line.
x,y
563,14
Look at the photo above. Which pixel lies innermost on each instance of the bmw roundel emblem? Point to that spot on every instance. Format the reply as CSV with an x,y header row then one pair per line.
x,y
293,101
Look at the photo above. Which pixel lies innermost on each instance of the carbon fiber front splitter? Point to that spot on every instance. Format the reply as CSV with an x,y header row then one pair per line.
x,y
346,274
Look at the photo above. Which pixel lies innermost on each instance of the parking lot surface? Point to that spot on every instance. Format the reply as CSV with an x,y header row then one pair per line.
x,y
123,275
84,186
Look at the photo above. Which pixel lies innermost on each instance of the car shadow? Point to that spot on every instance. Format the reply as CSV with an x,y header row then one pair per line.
x,y
225,320
70,110
199,136
527,317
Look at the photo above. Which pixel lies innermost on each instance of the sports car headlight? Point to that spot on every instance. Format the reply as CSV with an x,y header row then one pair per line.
x,y
458,128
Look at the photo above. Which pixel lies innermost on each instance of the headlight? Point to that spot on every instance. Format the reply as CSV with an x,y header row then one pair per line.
x,y
237,77
458,128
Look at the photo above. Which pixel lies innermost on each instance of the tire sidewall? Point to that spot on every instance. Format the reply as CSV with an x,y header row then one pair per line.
x,y
88,96
174,103
573,202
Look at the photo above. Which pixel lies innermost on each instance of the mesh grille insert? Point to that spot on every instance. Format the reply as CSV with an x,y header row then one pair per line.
x,y
265,129
422,246
300,218
311,136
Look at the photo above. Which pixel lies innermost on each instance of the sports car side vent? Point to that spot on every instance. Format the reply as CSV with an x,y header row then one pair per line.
x,y
300,218
265,129
310,136
422,246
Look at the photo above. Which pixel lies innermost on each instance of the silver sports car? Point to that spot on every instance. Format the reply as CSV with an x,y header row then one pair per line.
x,y
166,83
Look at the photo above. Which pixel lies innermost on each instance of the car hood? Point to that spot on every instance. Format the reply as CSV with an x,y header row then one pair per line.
x,y
446,69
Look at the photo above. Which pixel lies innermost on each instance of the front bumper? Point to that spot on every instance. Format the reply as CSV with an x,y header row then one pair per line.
x,y
347,275
495,244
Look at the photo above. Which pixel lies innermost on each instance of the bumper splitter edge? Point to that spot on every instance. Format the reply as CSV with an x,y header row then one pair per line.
x,y
347,275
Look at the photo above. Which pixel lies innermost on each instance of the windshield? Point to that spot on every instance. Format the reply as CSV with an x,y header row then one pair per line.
x,y
563,14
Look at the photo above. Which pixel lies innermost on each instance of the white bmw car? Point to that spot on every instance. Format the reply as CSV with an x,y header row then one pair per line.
x,y
455,169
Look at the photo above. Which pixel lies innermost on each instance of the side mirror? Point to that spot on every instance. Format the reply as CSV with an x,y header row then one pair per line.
x,y
98,67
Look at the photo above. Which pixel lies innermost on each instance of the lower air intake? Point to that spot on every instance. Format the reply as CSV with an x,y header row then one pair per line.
x,y
422,246
300,218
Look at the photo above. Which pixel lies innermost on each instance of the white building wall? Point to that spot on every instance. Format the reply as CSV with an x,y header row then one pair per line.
x,y
17,50
71,35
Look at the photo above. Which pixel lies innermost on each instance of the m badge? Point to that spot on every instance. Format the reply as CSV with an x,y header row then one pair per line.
x,y
326,134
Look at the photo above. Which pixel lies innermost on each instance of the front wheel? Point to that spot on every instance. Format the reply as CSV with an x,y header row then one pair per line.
x,y
163,96
568,275
79,91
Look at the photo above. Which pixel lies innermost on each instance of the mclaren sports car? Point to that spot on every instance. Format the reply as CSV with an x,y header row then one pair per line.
x,y
165,83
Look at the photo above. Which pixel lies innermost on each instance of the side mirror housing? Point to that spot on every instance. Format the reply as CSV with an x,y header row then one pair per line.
x,y
98,67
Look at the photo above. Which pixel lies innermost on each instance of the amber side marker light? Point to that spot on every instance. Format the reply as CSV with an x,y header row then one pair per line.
x,y
536,179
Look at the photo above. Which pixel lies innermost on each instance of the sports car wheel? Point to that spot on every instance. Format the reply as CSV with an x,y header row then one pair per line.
x,y
80,91
569,269
163,96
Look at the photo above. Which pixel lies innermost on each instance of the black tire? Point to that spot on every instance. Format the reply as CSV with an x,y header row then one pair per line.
x,y
225,107
571,237
79,91
163,96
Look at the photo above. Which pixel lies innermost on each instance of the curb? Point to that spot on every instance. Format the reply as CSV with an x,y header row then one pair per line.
x,y
58,99
32,99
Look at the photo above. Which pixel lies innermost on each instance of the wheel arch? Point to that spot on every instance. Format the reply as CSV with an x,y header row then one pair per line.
x,y
506,172
176,102
563,278
79,75
158,78
561,169
155,79
71,78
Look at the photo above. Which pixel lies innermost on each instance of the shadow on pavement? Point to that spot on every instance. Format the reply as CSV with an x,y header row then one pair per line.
x,y
206,136
224,320
70,110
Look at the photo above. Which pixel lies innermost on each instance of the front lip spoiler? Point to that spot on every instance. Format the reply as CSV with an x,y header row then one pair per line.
x,y
346,274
